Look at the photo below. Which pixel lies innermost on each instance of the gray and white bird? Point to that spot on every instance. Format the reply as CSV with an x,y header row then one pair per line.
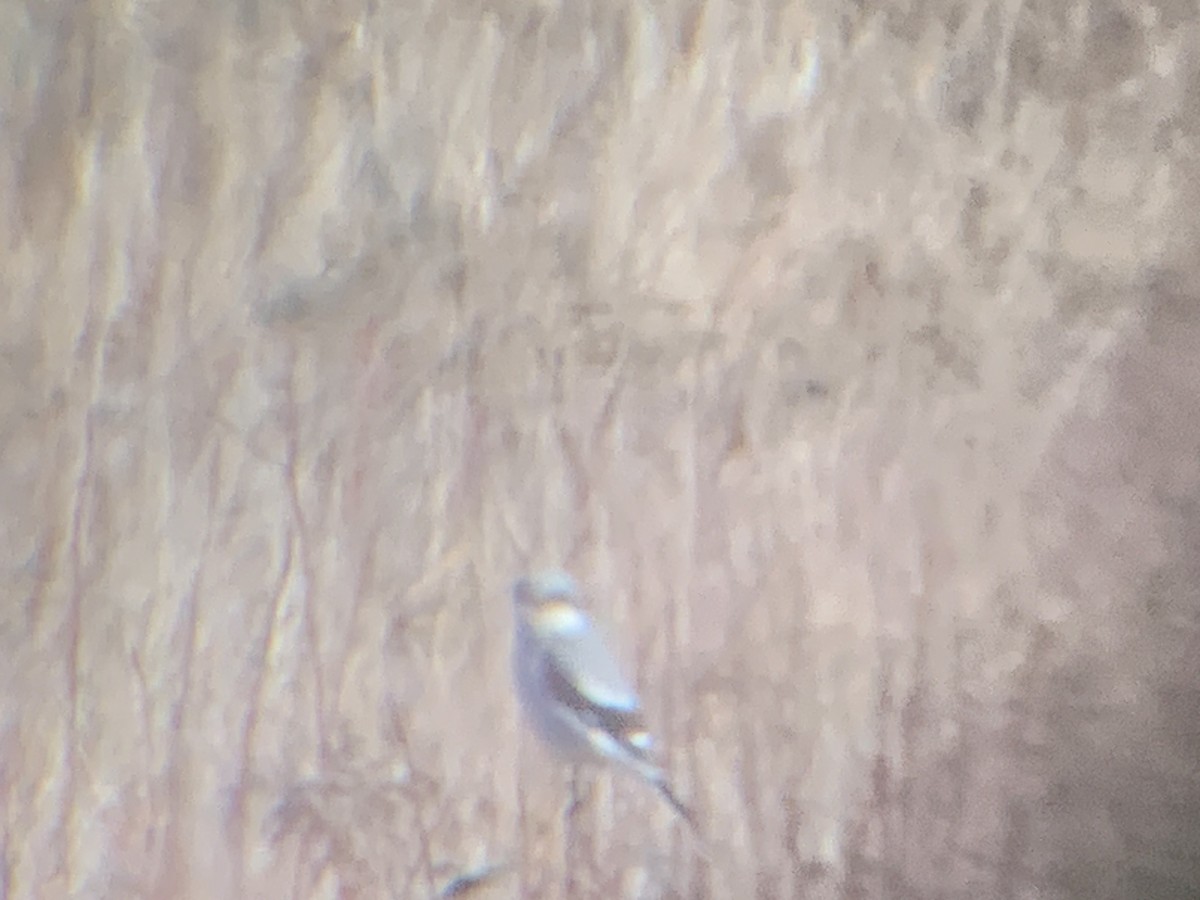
x,y
572,689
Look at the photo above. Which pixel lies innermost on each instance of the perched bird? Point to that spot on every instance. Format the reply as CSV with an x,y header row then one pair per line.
x,y
571,688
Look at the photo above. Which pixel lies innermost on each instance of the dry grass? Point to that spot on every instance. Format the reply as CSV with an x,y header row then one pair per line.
x,y
848,355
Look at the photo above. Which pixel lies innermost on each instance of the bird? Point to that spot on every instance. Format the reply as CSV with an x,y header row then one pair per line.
x,y
572,689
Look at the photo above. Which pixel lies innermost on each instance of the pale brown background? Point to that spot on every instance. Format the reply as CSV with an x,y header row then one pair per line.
x,y
849,353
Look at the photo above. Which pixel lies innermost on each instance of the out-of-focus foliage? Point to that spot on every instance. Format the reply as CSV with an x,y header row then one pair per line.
x,y
847,352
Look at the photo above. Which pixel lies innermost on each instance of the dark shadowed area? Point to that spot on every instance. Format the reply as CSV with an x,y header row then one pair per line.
x,y
847,353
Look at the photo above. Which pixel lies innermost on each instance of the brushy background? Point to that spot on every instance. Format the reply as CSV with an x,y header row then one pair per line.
x,y
848,353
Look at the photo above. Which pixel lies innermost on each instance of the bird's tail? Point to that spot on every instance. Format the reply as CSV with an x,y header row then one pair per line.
x,y
679,806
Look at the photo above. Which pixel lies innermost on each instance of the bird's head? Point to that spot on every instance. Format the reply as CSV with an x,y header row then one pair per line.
x,y
550,587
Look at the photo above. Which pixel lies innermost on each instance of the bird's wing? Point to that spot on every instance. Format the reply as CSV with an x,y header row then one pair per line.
x,y
582,674
580,656
621,721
